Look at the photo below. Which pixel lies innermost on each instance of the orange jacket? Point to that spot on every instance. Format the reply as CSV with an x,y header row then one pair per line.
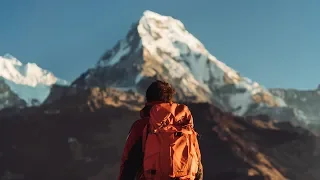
x,y
132,158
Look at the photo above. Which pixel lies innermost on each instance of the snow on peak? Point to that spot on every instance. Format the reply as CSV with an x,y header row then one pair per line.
x,y
28,81
166,30
9,56
11,59
168,48
27,74
169,36
171,44
161,18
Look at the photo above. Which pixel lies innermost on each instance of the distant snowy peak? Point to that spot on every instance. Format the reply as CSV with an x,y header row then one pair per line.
x,y
27,81
160,47
26,74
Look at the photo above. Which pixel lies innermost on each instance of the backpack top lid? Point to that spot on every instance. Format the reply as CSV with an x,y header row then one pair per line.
x,y
172,116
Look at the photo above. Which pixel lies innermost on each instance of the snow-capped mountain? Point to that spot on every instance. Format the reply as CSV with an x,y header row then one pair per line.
x,y
160,47
24,82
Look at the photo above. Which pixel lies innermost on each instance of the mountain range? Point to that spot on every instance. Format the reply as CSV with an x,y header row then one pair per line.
x,y
76,130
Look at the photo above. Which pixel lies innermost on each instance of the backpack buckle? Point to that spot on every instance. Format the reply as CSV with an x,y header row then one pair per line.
x,y
178,134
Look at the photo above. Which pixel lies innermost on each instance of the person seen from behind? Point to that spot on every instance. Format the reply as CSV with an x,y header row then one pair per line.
x,y
158,144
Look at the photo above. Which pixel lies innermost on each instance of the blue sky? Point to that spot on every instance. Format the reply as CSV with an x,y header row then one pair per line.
x,y
274,42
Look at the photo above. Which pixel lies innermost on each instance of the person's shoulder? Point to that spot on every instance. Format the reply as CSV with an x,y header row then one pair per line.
x,y
138,126
140,122
180,104
183,106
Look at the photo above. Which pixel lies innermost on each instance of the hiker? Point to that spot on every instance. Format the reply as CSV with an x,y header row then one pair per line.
x,y
172,125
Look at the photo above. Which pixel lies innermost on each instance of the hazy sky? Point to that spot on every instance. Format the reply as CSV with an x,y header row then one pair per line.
x,y
274,42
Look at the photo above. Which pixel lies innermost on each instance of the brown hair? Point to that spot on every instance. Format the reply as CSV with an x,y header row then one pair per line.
x,y
160,91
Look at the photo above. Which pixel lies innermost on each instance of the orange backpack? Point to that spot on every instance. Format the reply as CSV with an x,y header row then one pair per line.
x,y
171,149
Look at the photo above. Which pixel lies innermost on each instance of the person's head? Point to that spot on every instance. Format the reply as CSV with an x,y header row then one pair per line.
x,y
160,91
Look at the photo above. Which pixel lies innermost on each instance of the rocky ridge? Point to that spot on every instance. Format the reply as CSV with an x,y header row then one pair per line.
x,y
81,136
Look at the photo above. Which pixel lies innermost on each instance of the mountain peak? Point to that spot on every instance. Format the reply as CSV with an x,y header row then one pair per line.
x,y
152,14
28,81
168,33
10,58
160,47
158,18
27,74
